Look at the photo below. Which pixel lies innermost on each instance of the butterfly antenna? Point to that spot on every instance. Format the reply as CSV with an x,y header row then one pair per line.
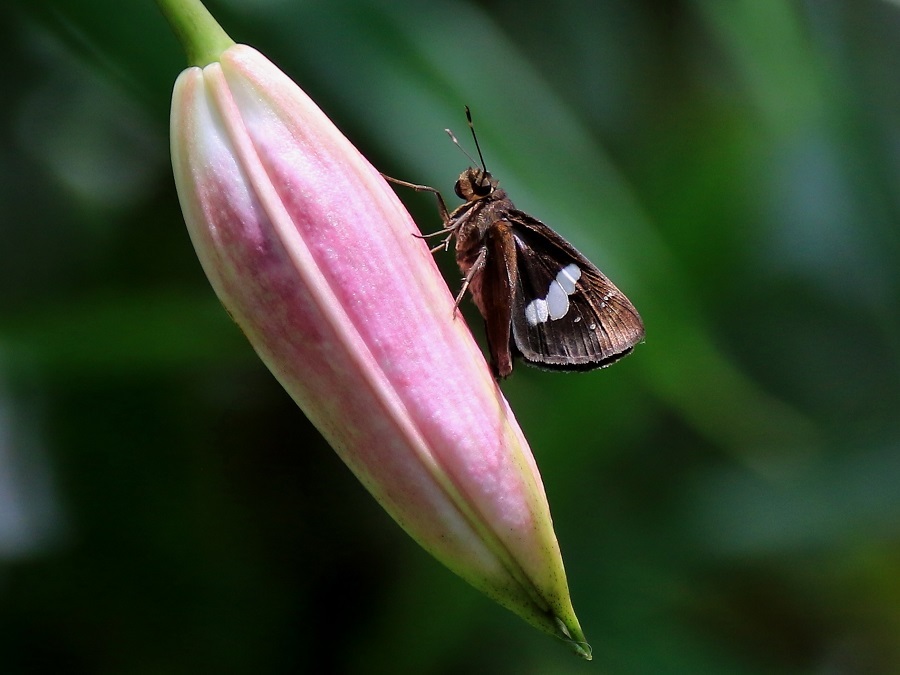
x,y
475,138
458,145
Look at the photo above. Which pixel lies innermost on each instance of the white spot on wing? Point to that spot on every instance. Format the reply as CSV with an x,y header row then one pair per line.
x,y
567,278
536,312
557,300
556,304
605,298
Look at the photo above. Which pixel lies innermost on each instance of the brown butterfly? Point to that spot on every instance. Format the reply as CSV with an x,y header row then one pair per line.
x,y
540,298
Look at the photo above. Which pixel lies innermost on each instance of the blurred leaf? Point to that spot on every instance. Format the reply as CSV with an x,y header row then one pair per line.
x,y
102,337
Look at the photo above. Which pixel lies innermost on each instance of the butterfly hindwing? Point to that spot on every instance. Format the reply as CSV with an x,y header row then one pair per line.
x,y
496,295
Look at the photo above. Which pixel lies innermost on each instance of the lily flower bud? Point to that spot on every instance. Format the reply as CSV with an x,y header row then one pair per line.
x,y
314,257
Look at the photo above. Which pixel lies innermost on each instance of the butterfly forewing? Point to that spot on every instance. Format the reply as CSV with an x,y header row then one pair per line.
x,y
566,314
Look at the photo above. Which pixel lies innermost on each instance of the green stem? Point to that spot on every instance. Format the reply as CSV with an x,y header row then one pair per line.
x,y
198,32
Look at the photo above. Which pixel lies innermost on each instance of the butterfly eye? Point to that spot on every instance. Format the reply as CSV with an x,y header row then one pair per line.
x,y
458,189
482,188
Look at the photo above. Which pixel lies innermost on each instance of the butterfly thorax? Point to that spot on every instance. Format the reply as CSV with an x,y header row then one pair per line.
x,y
485,204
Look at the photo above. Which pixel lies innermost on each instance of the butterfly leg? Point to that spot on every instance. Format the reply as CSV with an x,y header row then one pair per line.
x,y
442,207
447,233
471,273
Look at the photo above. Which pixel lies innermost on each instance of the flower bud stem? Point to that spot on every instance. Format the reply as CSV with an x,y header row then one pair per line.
x,y
198,32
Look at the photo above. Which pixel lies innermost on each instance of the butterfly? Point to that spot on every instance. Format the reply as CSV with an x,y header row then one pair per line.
x,y
540,298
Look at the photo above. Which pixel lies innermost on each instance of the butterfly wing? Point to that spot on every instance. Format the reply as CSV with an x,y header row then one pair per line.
x,y
493,293
566,314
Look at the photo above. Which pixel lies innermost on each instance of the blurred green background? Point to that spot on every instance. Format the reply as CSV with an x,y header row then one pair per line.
x,y
727,499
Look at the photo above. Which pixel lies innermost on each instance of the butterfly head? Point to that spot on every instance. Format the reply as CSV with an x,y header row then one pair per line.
x,y
475,184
